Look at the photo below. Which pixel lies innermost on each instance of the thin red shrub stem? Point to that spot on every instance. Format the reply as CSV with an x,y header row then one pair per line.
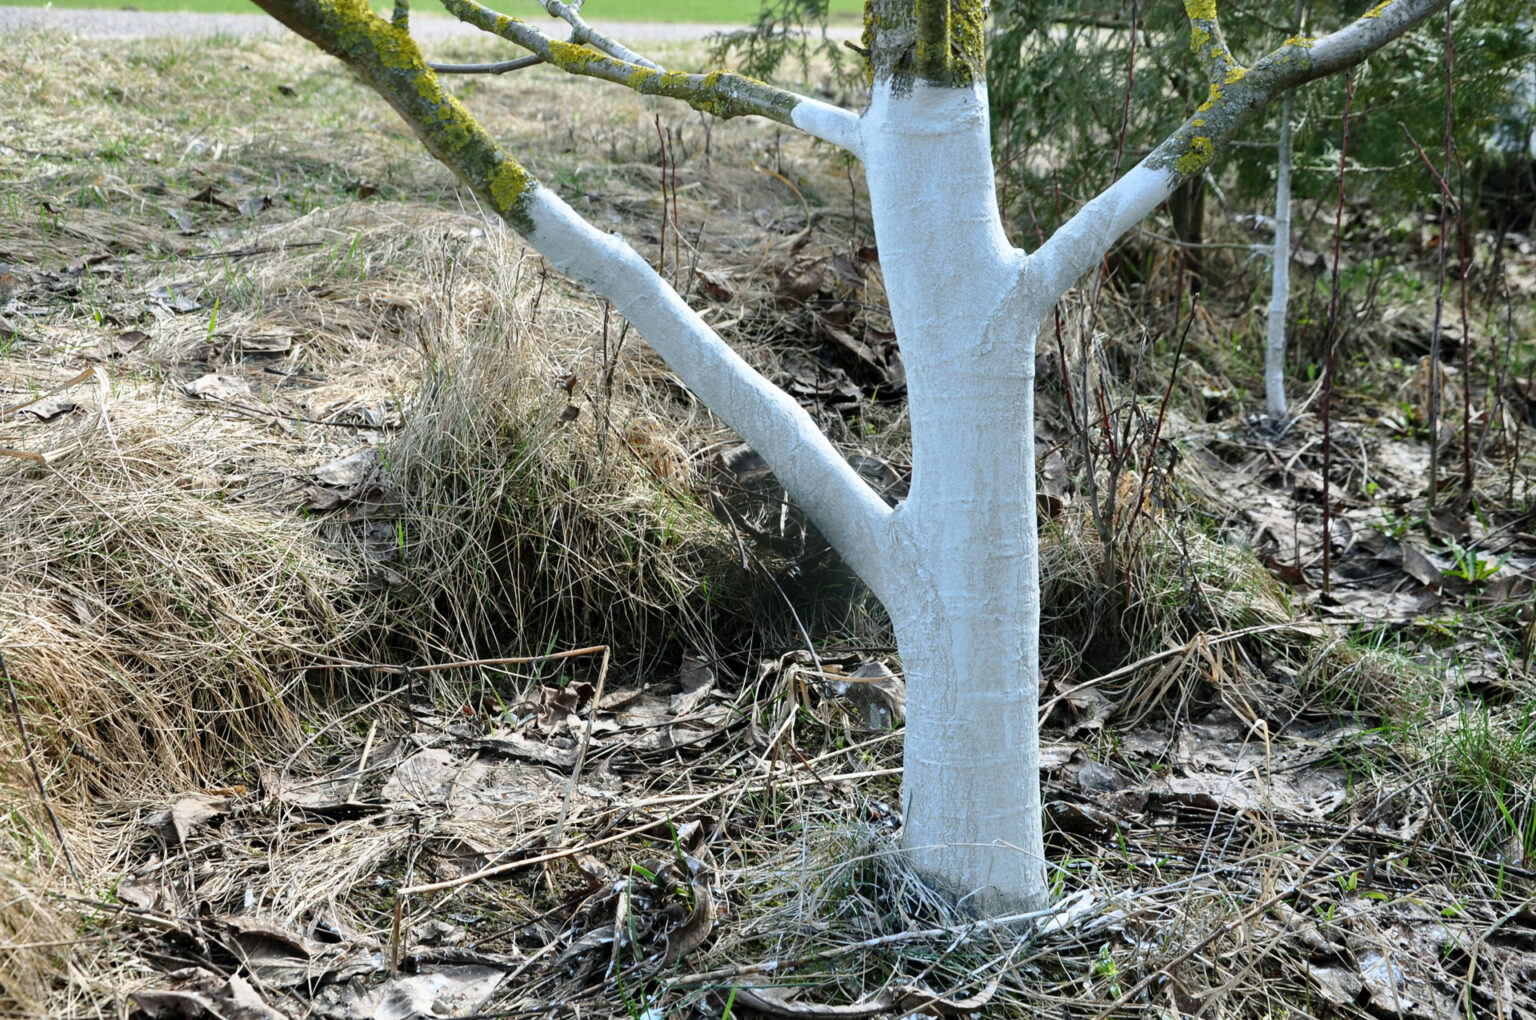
x,y
1330,339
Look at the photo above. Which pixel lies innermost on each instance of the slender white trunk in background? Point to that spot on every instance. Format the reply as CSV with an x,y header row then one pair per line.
x,y
966,605
1280,287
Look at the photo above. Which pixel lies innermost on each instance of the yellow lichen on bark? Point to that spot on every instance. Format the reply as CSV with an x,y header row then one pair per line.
x,y
1199,155
387,58
508,184
1200,10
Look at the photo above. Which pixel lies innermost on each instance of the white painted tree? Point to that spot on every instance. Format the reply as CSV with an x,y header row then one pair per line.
x,y
1280,276
1280,267
956,564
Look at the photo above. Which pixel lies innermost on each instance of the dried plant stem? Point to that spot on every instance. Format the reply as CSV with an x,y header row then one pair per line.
x,y
37,775
1434,337
1330,341
412,849
661,243
1157,429
581,754
362,761
1496,398
1468,467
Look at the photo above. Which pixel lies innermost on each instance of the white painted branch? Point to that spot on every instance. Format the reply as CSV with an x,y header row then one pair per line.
x,y
1079,244
829,123
1280,285
851,515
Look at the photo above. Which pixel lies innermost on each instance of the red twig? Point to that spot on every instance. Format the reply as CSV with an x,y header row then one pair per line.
x,y
677,223
1330,339
1445,189
1162,410
1468,468
1130,81
1434,336
661,248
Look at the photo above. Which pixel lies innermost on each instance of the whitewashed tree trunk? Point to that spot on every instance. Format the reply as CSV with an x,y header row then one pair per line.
x,y
1280,278
957,564
967,602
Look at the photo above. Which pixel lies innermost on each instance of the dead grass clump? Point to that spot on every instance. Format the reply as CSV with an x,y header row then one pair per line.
x,y
34,939
151,629
548,491
837,918
1178,596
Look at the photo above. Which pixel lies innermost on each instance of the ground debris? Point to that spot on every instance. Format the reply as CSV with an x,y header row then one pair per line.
x,y
195,993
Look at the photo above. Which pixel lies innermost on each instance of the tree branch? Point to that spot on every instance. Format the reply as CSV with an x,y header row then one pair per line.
x,y
851,515
1235,100
1207,42
583,34
722,93
501,67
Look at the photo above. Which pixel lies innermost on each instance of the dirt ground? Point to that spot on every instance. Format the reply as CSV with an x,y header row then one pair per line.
x,y
388,633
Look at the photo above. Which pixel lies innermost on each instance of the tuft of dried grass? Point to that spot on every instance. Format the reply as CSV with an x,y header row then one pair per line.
x,y
34,936
152,629
169,608
546,473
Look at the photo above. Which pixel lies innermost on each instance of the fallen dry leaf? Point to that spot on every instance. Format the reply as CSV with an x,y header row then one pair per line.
x,y
196,993
878,696
190,813
218,387
49,408
446,992
714,285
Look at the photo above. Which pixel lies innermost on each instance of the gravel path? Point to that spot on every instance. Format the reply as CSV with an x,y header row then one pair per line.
x,y
121,24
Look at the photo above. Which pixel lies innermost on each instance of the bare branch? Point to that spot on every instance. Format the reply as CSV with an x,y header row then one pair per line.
x,y
1234,100
583,34
722,93
499,68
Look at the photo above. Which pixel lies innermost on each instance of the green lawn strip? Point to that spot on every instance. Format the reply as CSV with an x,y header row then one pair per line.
x,y
706,11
